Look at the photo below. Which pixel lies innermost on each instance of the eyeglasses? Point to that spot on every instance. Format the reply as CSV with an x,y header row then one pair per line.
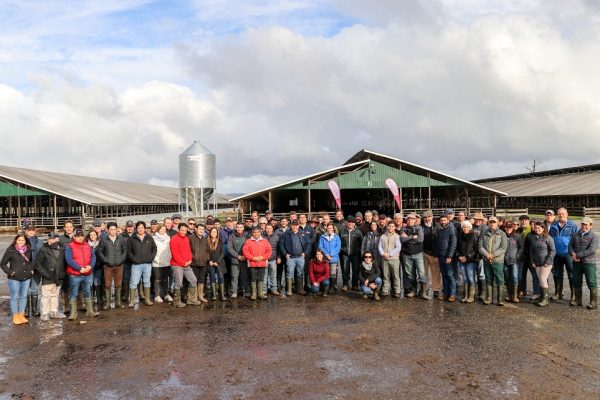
x,y
368,257
262,223
191,223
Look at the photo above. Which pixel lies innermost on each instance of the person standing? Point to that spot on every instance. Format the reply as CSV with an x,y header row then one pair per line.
x,y
64,240
412,238
113,253
389,248
80,258
351,247
257,251
199,244
445,247
17,264
432,267
216,263
50,264
582,248
93,240
292,246
371,242
161,265
541,255
492,247
330,245
239,265
561,231
525,229
141,250
181,261
36,243
273,239
466,252
127,235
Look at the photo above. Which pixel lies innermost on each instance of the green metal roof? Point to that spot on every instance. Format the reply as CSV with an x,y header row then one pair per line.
x,y
376,173
8,189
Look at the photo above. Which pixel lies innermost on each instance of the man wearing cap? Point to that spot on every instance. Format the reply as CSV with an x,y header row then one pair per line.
x,y
582,249
412,238
239,264
50,264
351,247
549,218
492,247
257,250
80,257
32,294
176,220
445,247
153,227
432,267
525,229
271,273
561,231
358,217
294,248
450,214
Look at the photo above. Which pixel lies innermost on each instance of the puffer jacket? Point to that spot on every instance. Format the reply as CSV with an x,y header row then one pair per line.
x,y
584,246
515,249
112,253
163,251
141,251
50,264
20,269
331,246
493,242
562,237
199,250
235,244
371,243
541,249
468,246
445,241
274,242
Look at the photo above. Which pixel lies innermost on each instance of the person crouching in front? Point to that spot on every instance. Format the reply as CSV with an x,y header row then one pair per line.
x,y
369,276
318,272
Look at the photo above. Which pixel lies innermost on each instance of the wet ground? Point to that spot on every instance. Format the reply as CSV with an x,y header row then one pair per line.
x,y
341,347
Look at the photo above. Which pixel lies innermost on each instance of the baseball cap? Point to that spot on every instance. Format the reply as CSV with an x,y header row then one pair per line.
x,y
153,222
53,235
551,212
587,220
176,216
492,219
449,211
97,222
523,217
30,227
295,222
350,218
129,223
79,232
411,215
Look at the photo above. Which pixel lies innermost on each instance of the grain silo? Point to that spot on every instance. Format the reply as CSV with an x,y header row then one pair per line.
x,y
197,178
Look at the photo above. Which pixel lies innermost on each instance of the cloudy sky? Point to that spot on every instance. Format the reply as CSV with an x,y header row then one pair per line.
x,y
280,89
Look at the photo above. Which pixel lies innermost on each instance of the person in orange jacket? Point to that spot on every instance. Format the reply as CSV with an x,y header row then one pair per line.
x,y
257,251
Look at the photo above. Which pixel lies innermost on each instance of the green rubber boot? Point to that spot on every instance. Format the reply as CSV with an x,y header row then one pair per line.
x,y
253,289
260,287
73,313
593,299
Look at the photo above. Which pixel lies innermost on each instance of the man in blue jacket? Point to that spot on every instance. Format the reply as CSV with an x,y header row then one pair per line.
x,y
561,231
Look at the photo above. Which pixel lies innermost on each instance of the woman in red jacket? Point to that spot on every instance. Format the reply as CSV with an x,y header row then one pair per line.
x,y
257,250
318,271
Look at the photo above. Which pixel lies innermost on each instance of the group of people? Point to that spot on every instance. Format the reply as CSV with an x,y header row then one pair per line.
x,y
373,254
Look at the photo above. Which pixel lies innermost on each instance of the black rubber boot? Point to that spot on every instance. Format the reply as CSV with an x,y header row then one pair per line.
x,y
35,311
572,291
299,289
543,298
481,289
593,299
99,295
107,299
27,311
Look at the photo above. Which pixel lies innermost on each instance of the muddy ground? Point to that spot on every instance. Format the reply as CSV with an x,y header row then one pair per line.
x,y
342,347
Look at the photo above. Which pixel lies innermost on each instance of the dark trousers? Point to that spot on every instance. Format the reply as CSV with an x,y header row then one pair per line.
x,y
351,264
562,262
161,279
113,273
125,282
589,271
257,274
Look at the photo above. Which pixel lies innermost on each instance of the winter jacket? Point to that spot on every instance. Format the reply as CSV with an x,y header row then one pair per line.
x,y
562,236
181,250
235,244
274,242
331,246
257,248
390,243
515,249
308,237
126,238
163,251
318,271
141,251
493,241
371,243
36,245
225,233
428,239
584,246
541,249
289,244
370,275
50,263
218,254
199,247
410,245
64,240
468,246
112,253
351,242
77,256
445,241
20,269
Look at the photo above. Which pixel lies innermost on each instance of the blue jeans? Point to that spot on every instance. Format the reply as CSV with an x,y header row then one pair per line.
x,y
140,271
562,262
126,274
468,271
368,290
18,295
85,281
323,286
512,273
294,264
414,269
98,276
448,277
35,284
216,276
271,275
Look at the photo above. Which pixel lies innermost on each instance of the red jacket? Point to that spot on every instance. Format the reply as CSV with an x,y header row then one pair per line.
x,y
254,248
181,250
318,271
80,254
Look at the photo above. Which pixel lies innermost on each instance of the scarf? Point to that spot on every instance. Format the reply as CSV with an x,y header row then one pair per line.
x,y
93,244
55,246
162,237
22,250
367,266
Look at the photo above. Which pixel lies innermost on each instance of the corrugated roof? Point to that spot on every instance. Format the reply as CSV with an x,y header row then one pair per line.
x,y
573,184
88,190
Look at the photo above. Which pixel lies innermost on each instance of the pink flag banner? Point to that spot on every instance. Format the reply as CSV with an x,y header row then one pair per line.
x,y
391,184
335,191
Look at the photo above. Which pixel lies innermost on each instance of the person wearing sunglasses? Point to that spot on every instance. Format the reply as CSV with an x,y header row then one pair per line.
x,y
369,276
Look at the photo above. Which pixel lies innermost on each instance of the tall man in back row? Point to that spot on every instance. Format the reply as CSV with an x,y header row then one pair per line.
x,y
561,231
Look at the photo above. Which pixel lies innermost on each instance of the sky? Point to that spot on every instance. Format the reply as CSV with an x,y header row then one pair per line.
x,y
282,89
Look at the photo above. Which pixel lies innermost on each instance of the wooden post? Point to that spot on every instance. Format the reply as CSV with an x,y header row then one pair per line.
x,y
18,211
309,200
55,215
271,200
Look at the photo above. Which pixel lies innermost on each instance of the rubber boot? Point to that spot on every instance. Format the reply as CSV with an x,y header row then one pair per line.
x,y
488,295
132,298
471,297
253,290
191,300
213,289
332,283
481,289
424,291
118,303
177,299
543,298
593,299
572,291
107,299
509,289
500,294
299,289
200,291
80,302
222,289
260,287
65,302
376,294
73,307
99,296
141,293
35,311
27,312
289,282
466,293
147,300
515,294
558,294
89,308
